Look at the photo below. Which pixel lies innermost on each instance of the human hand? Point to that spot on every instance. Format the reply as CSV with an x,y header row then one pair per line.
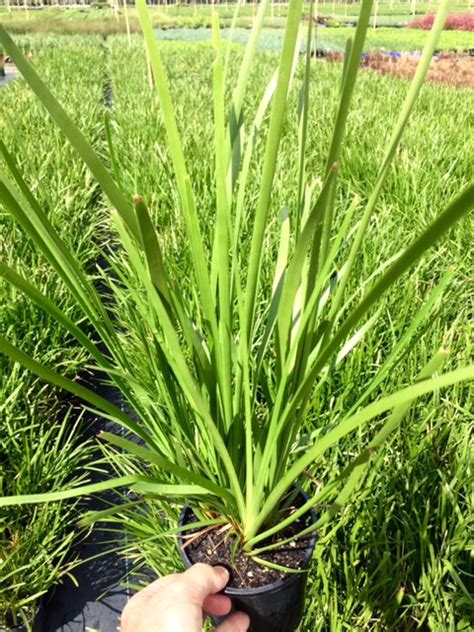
x,y
179,603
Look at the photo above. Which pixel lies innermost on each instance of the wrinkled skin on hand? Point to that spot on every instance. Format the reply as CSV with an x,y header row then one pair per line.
x,y
180,602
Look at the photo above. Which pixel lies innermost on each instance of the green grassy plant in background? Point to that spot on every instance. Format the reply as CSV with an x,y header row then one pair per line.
x,y
41,446
402,39
238,358
36,541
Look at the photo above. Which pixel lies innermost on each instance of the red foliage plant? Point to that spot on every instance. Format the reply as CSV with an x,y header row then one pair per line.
x,y
447,68
455,22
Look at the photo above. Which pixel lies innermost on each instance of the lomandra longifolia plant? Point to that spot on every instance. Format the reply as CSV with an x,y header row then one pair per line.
x,y
235,366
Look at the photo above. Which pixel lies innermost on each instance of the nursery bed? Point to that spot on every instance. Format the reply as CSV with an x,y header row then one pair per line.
x,y
448,68
34,143
329,39
365,554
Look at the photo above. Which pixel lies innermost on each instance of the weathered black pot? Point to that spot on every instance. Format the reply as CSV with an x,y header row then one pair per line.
x,y
276,607
36,626
17,628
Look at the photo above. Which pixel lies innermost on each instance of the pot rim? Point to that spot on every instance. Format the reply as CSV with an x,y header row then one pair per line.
x,y
33,622
21,627
274,586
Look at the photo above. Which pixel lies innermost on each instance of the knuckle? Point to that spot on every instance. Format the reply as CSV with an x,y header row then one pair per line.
x,y
178,590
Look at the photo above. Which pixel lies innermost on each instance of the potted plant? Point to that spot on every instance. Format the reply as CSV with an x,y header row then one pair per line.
x,y
238,347
36,540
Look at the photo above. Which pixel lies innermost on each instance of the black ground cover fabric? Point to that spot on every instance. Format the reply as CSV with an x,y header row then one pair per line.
x,y
96,603
86,608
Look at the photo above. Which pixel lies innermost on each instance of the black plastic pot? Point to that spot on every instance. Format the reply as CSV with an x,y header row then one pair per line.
x,y
17,628
36,626
276,607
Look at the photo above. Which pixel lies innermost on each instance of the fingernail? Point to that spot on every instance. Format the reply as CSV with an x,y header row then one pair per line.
x,y
222,569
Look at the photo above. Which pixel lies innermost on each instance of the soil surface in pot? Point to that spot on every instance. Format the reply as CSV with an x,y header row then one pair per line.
x,y
216,547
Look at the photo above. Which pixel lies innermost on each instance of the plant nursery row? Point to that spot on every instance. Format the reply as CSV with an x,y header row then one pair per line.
x,y
398,556
42,442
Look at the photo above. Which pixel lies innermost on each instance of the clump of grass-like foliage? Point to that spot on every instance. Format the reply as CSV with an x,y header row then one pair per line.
x,y
237,363
41,447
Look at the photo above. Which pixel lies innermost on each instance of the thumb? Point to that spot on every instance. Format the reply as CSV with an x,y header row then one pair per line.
x,y
206,580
